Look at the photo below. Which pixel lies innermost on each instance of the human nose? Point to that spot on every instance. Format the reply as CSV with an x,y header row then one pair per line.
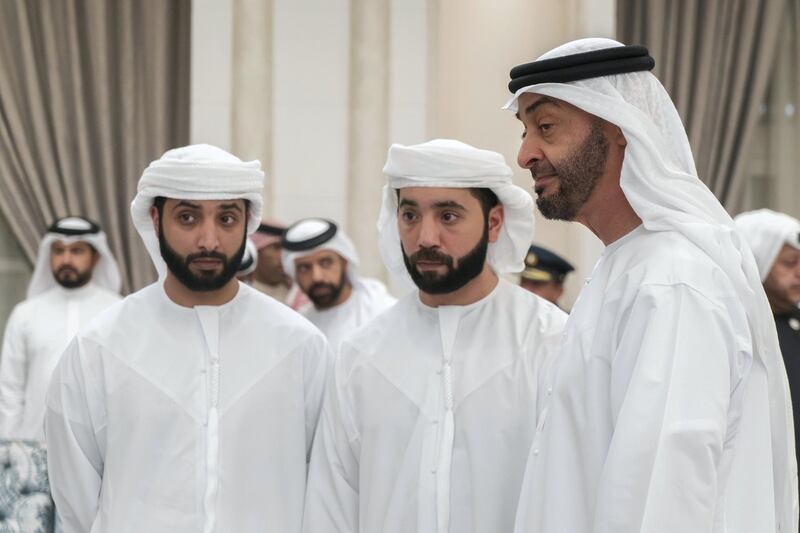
x,y
208,238
428,233
316,273
530,152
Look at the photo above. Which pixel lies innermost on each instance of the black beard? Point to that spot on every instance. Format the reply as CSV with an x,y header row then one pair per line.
x,y
577,174
325,301
80,279
469,266
179,266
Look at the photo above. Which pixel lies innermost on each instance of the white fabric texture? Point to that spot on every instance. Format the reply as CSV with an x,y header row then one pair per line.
x,y
162,418
453,164
660,181
645,418
766,231
37,332
339,243
384,459
368,299
105,274
196,172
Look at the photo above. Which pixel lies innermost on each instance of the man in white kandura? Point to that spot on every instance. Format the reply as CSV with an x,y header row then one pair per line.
x,y
433,405
774,239
670,410
323,262
75,278
191,404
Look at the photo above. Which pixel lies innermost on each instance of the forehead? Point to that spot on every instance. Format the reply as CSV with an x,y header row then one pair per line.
x,y
436,196
317,256
788,251
73,245
205,205
529,103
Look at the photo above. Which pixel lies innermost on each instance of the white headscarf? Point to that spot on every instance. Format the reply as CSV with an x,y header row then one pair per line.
x,y
105,273
311,227
660,181
766,231
445,163
196,172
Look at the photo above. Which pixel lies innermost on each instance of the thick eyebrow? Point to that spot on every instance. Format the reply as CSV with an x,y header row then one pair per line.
x,y
449,204
410,203
540,102
184,203
235,206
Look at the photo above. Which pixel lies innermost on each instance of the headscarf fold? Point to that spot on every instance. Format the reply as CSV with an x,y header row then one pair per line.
x,y
766,231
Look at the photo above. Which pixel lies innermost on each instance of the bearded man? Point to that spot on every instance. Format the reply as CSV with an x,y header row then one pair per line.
x,y
323,262
75,278
433,405
191,404
671,409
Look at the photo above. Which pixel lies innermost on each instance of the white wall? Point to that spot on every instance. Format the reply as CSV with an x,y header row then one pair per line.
x,y
210,118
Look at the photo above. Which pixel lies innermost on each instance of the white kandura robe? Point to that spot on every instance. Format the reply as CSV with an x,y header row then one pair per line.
x,y
165,419
37,332
368,299
646,417
430,414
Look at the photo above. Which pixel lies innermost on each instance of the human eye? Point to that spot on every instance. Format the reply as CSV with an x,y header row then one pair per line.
x,y
326,262
302,268
186,217
407,215
228,219
449,217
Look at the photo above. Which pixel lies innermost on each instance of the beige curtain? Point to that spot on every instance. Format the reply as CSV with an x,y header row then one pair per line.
x,y
714,57
90,92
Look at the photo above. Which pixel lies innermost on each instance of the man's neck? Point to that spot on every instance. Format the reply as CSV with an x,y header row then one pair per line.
x,y
477,289
185,297
609,215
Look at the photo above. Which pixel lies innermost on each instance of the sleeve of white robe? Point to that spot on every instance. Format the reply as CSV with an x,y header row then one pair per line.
x,y
13,372
332,493
74,429
317,365
672,374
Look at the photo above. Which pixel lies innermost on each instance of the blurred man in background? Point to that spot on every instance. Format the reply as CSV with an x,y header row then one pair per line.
x,y
75,278
323,262
774,239
544,273
269,275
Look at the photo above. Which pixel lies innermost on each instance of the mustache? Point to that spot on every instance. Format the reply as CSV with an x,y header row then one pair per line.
x,y
322,285
207,255
542,168
432,255
66,268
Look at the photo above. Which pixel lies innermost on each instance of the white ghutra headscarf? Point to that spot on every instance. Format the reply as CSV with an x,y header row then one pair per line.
x,y
766,231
